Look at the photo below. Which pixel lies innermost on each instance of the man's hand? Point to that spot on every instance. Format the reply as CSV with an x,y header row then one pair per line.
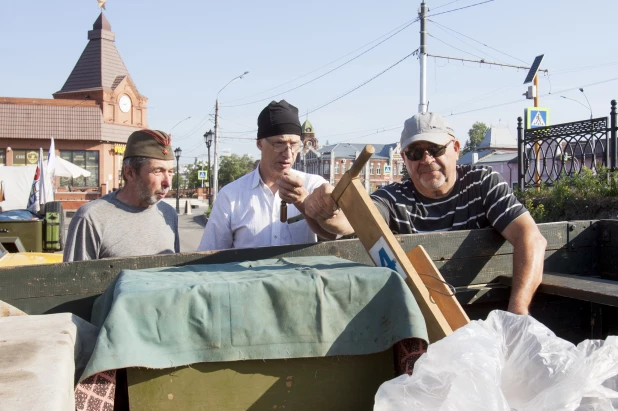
x,y
292,190
320,204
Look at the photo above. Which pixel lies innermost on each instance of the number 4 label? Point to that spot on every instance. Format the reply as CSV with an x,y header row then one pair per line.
x,y
383,256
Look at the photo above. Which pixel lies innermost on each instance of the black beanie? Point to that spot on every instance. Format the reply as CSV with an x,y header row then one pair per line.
x,y
278,118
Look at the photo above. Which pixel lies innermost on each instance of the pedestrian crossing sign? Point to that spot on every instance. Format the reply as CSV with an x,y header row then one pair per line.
x,y
202,175
537,117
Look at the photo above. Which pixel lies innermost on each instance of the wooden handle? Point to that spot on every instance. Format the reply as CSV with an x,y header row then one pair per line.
x,y
284,212
353,172
359,163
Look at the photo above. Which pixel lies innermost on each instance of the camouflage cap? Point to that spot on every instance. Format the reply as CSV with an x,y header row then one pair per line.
x,y
149,143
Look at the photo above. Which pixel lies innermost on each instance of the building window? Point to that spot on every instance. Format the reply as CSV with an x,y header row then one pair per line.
x,y
85,159
27,157
343,167
2,157
371,169
326,167
379,169
336,168
309,144
401,168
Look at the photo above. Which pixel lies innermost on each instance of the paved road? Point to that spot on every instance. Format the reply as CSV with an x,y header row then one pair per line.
x,y
190,227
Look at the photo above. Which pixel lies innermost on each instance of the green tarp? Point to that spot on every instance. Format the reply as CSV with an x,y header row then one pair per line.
x,y
268,309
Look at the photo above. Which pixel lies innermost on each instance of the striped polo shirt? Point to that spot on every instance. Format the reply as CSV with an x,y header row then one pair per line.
x,y
480,198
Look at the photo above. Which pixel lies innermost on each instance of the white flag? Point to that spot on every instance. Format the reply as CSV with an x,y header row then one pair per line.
x,y
43,182
50,169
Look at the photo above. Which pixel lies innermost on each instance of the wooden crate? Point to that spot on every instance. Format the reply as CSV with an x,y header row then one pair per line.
x,y
326,383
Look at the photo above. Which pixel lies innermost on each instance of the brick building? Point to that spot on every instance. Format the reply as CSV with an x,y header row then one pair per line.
x,y
90,117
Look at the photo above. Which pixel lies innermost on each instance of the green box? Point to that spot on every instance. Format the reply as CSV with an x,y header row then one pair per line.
x,y
30,232
325,383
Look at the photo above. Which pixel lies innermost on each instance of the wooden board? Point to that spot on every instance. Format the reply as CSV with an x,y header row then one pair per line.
x,y
440,292
385,251
597,290
327,383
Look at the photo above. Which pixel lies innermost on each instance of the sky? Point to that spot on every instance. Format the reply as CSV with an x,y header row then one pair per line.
x,y
180,54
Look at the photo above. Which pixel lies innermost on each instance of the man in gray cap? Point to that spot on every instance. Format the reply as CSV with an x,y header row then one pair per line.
x,y
253,211
443,196
132,221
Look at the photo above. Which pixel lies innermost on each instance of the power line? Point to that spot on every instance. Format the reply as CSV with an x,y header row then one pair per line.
x,y
461,8
328,72
467,44
327,64
450,45
480,42
361,85
543,95
439,7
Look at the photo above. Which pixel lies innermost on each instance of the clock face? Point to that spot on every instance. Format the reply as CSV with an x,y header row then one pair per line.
x,y
124,103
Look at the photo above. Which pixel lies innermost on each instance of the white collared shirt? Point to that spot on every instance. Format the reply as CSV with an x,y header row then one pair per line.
x,y
246,214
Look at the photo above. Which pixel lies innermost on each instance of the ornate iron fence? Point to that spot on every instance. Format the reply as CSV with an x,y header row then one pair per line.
x,y
547,153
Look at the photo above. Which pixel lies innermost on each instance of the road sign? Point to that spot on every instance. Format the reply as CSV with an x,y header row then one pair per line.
x,y
202,175
534,69
387,169
537,117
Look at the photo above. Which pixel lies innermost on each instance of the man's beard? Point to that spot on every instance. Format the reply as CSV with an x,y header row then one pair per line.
x,y
434,182
146,195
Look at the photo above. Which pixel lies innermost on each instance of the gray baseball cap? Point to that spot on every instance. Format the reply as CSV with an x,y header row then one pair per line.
x,y
429,127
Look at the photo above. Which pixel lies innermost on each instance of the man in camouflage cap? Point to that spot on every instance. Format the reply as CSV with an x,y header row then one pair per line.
x,y
132,221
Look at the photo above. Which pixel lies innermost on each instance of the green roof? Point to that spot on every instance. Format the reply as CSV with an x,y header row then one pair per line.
x,y
307,127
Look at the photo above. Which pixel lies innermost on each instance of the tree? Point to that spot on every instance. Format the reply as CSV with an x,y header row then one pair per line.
x,y
404,173
191,173
233,167
476,134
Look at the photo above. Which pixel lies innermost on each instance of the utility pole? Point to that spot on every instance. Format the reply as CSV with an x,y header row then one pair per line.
x,y
422,54
215,174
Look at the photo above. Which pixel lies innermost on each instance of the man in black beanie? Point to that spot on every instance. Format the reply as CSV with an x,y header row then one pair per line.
x,y
248,211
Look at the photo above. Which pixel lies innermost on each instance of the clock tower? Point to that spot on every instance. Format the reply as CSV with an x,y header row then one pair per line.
x,y
100,75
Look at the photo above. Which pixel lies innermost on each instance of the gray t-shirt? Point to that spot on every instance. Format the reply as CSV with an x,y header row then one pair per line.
x,y
107,228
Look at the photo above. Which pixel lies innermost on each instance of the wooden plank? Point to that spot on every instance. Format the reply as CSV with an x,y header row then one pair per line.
x,y
440,292
595,290
371,228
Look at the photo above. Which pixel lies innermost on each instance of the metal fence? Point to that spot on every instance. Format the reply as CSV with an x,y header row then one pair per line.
x,y
546,154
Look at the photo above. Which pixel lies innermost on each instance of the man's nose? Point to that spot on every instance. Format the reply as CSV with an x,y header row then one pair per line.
x,y
427,158
167,180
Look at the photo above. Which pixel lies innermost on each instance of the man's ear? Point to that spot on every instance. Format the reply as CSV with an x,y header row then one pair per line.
x,y
456,146
259,143
129,173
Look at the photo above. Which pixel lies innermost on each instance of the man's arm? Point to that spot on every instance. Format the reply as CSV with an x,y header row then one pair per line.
x,y
528,257
82,241
321,207
218,232
293,191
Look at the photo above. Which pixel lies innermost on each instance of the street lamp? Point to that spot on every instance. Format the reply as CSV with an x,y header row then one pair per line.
x,y
580,103
177,153
208,140
215,179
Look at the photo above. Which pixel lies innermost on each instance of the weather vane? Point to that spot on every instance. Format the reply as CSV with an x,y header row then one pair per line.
x,y
101,4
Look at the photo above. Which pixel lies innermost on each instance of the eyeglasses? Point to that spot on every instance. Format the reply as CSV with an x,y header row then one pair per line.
x,y
434,151
281,146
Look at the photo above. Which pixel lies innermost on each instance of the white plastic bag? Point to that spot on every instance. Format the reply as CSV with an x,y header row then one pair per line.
x,y
507,362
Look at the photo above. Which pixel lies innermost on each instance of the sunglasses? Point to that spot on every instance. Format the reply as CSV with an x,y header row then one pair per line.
x,y
281,146
434,151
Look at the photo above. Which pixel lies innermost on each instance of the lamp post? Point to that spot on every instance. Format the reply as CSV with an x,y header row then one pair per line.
x,y
177,153
215,184
208,140
580,103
